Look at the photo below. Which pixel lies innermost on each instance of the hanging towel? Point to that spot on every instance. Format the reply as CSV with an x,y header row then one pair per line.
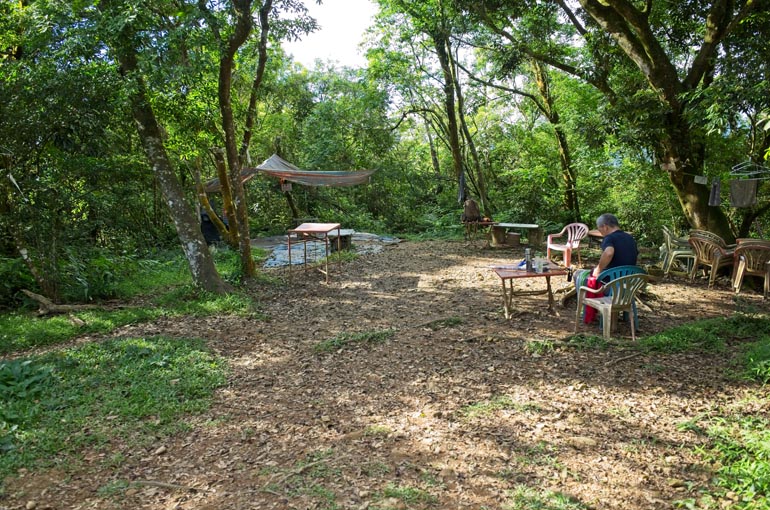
x,y
715,199
743,193
590,313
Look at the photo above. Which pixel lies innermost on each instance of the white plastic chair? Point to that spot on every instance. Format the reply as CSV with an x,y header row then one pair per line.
x,y
573,234
676,248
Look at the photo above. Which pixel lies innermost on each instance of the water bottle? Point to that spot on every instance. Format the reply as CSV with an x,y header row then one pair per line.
x,y
528,259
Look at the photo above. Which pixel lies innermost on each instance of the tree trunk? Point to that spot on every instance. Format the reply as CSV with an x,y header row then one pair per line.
x,y
204,272
440,43
679,149
681,155
240,220
228,205
569,176
480,181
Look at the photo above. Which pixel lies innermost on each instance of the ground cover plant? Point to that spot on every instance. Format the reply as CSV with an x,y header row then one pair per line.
x,y
133,391
148,290
426,397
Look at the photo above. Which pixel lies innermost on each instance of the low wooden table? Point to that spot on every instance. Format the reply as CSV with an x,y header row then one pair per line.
x,y
535,234
508,274
474,228
595,237
307,232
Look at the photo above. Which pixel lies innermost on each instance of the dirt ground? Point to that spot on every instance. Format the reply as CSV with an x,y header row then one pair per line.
x,y
454,410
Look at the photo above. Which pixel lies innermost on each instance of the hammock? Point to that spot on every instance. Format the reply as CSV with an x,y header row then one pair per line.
x,y
276,166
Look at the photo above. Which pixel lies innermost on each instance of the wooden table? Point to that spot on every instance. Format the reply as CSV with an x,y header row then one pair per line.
x,y
595,237
535,235
472,229
508,274
314,232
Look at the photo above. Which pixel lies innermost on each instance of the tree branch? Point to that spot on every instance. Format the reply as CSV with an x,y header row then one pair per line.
x,y
519,92
718,26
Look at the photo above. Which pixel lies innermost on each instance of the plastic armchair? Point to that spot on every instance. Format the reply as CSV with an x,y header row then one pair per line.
x,y
714,237
752,257
614,273
675,248
617,296
710,251
572,234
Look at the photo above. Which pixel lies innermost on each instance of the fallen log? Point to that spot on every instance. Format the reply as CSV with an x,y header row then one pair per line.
x,y
46,306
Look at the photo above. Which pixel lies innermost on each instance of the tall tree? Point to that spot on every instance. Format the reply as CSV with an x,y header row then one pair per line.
x,y
435,23
125,45
674,46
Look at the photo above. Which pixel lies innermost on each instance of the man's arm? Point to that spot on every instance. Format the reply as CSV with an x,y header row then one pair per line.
x,y
604,260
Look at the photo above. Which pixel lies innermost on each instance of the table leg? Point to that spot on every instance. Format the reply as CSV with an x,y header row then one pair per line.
x,y
507,298
339,249
326,251
289,239
551,308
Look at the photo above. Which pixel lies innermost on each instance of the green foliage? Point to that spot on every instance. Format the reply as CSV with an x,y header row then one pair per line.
x,y
93,274
701,334
708,334
99,274
188,300
20,332
21,379
739,448
171,295
406,494
588,342
81,178
344,340
495,404
528,498
132,390
755,361
14,275
539,347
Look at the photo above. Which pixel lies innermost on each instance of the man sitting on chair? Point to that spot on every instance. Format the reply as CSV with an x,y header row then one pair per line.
x,y
618,247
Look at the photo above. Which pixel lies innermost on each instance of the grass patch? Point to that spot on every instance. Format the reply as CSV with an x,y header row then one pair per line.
x,y
739,448
128,392
166,282
711,335
495,404
539,454
583,342
24,331
344,255
187,300
150,274
539,347
444,323
527,498
345,340
755,361
407,495
375,468
304,480
736,445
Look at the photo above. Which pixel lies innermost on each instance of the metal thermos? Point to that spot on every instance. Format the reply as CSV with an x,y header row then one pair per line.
x,y
528,259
